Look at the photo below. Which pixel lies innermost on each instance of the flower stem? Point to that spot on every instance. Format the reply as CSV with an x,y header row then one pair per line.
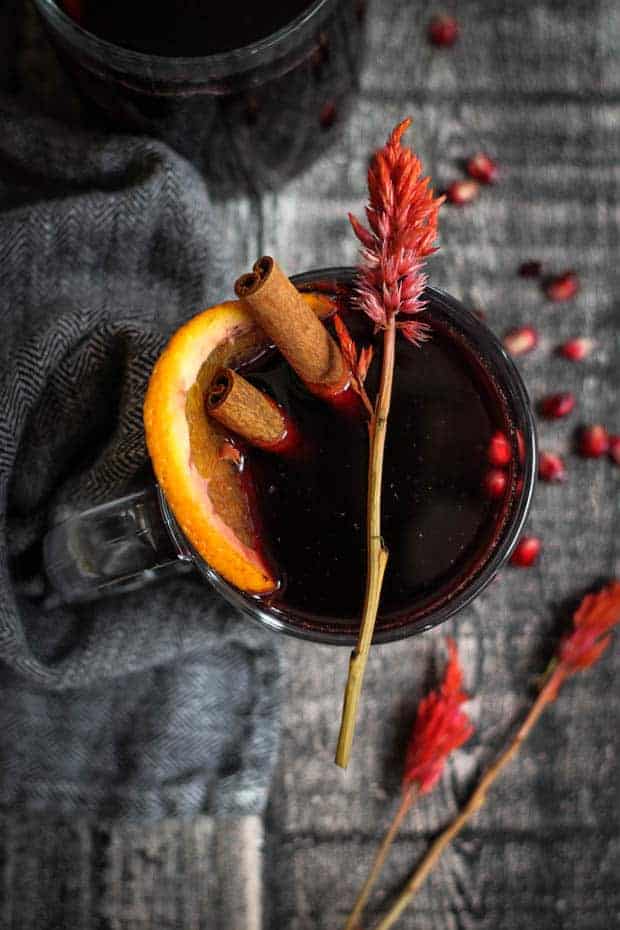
x,y
377,554
408,798
475,802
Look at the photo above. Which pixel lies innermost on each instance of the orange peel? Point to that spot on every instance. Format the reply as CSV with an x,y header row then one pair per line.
x,y
204,488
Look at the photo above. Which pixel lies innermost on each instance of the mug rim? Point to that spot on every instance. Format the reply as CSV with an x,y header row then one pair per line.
x,y
511,381
162,67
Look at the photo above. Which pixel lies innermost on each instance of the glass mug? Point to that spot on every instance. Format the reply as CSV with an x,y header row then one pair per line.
x,y
122,545
250,117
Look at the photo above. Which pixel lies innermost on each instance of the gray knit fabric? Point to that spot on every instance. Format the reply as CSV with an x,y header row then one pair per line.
x,y
163,703
538,85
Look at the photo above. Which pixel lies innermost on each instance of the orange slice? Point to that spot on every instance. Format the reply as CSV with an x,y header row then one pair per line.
x,y
203,486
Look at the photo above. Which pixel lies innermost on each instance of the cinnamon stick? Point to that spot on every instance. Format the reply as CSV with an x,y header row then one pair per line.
x,y
281,312
246,411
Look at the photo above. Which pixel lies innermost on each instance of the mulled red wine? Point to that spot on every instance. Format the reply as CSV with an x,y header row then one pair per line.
x,y
246,120
193,27
441,516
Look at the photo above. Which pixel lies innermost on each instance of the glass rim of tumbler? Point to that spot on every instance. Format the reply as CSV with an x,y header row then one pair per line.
x,y
405,623
172,67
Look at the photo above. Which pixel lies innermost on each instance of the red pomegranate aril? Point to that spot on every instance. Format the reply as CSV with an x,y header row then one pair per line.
x,y
443,31
575,350
328,114
593,441
495,483
556,406
527,552
482,168
521,340
531,269
461,192
562,287
551,467
499,451
614,449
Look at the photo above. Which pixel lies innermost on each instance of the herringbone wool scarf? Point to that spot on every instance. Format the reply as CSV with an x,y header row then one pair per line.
x,y
162,703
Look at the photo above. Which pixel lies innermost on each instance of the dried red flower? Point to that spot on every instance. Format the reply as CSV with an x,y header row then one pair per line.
x,y
520,341
440,727
556,406
593,441
562,287
482,168
461,192
527,552
551,467
587,641
358,362
402,215
443,31
499,451
576,349
530,269
614,449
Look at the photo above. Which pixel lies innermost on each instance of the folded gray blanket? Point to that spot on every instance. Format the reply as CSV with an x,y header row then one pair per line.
x,y
162,703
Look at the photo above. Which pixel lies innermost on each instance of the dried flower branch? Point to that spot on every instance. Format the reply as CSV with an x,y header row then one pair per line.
x,y
440,727
580,648
402,216
358,362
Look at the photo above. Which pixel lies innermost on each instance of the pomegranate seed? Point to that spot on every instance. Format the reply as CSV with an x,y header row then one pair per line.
x,y
557,405
576,349
443,31
527,552
614,449
327,116
562,287
521,340
462,192
482,168
593,442
495,482
499,451
530,269
551,467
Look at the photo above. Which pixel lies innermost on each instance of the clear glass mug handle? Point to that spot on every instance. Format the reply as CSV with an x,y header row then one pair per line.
x,y
113,548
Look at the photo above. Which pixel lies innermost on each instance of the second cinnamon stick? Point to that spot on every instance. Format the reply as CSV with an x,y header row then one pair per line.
x,y
246,411
281,312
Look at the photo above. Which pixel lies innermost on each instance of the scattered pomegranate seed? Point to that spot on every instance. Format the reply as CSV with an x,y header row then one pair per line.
x,y
520,341
614,449
499,451
530,269
593,442
551,467
443,30
557,405
462,192
527,552
495,482
576,349
562,287
482,168
327,116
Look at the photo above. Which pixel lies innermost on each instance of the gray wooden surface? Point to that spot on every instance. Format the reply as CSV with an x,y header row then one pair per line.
x,y
538,86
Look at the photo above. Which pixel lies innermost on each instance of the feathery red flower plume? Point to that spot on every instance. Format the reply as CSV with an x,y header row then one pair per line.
x,y
440,727
402,215
358,362
582,646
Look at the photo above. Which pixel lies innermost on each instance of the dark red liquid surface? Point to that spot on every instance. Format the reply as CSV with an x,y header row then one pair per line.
x,y
193,27
438,521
